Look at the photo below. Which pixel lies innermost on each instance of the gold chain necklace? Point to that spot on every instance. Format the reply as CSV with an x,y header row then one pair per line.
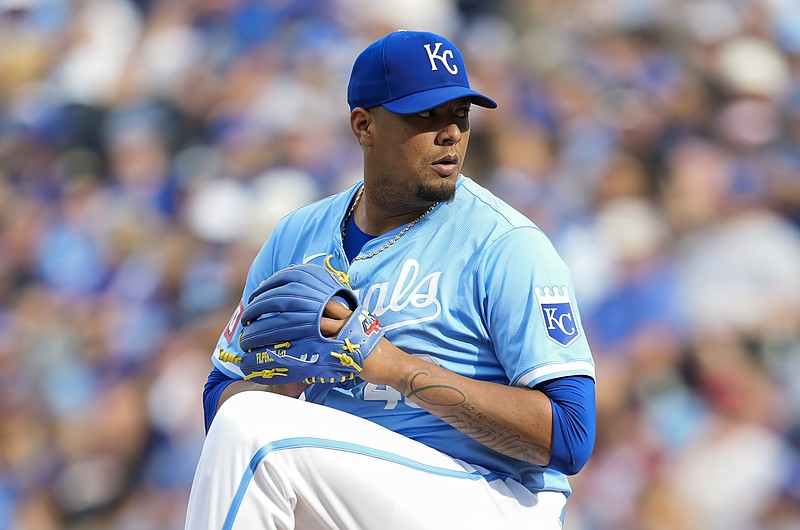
x,y
393,240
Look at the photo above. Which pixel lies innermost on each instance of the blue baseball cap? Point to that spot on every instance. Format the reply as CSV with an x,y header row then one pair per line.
x,y
409,72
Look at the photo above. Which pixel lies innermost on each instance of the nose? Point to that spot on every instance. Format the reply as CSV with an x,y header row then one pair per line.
x,y
450,135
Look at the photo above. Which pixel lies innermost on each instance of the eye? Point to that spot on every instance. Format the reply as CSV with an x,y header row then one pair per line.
x,y
424,114
462,112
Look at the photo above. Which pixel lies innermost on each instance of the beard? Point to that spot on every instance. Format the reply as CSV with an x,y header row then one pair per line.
x,y
394,196
444,191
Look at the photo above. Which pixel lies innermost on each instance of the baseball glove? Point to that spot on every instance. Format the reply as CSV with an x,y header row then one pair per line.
x,y
281,337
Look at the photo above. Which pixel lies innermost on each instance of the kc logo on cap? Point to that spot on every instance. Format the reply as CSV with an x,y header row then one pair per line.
x,y
408,72
434,55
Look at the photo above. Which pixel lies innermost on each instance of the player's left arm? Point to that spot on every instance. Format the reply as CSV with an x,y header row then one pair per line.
x,y
514,421
519,422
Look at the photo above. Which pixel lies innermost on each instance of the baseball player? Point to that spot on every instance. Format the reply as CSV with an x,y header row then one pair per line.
x,y
407,353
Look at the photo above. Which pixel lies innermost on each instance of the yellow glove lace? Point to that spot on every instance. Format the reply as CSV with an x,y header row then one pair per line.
x,y
268,374
345,279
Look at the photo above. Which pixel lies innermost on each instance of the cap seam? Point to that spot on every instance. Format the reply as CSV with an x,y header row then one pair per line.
x,y
385,68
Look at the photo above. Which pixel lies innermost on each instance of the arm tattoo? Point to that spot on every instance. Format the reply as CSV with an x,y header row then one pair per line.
x,y
466,418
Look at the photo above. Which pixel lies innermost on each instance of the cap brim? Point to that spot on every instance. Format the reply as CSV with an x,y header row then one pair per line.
x,y
422,101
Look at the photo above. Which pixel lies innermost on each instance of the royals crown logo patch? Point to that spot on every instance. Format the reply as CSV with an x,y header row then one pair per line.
x,y
559,319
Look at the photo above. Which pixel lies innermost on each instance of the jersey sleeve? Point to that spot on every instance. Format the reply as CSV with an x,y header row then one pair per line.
x,y
531,311
262,267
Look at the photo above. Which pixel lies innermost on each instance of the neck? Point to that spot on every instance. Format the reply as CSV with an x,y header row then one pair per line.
x,y
375,219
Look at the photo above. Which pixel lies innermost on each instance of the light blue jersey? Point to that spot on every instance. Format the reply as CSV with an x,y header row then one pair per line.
x,y
474,287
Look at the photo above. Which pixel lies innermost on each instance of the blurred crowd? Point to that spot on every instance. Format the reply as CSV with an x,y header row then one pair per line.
x,y
147,147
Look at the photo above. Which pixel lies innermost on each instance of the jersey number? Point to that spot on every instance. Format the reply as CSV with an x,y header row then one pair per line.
x,y
388,394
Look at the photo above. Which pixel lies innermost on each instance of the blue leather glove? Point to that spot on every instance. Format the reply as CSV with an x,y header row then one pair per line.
x,y
281,337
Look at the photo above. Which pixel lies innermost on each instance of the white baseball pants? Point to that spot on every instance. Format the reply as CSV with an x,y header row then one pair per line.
x,y
274,462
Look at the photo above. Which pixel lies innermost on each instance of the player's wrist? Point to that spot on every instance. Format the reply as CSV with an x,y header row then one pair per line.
x,y
383,366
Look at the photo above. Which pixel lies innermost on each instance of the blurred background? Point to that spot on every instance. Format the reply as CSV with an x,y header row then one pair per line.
x,y
148,147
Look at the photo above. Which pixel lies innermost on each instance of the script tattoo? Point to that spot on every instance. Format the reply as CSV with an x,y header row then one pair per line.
x,y
438,395
451,405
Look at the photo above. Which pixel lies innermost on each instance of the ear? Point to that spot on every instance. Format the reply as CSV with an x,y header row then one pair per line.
x,y
361,121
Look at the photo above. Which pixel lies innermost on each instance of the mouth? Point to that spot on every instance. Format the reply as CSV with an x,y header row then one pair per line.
x,y
446,166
